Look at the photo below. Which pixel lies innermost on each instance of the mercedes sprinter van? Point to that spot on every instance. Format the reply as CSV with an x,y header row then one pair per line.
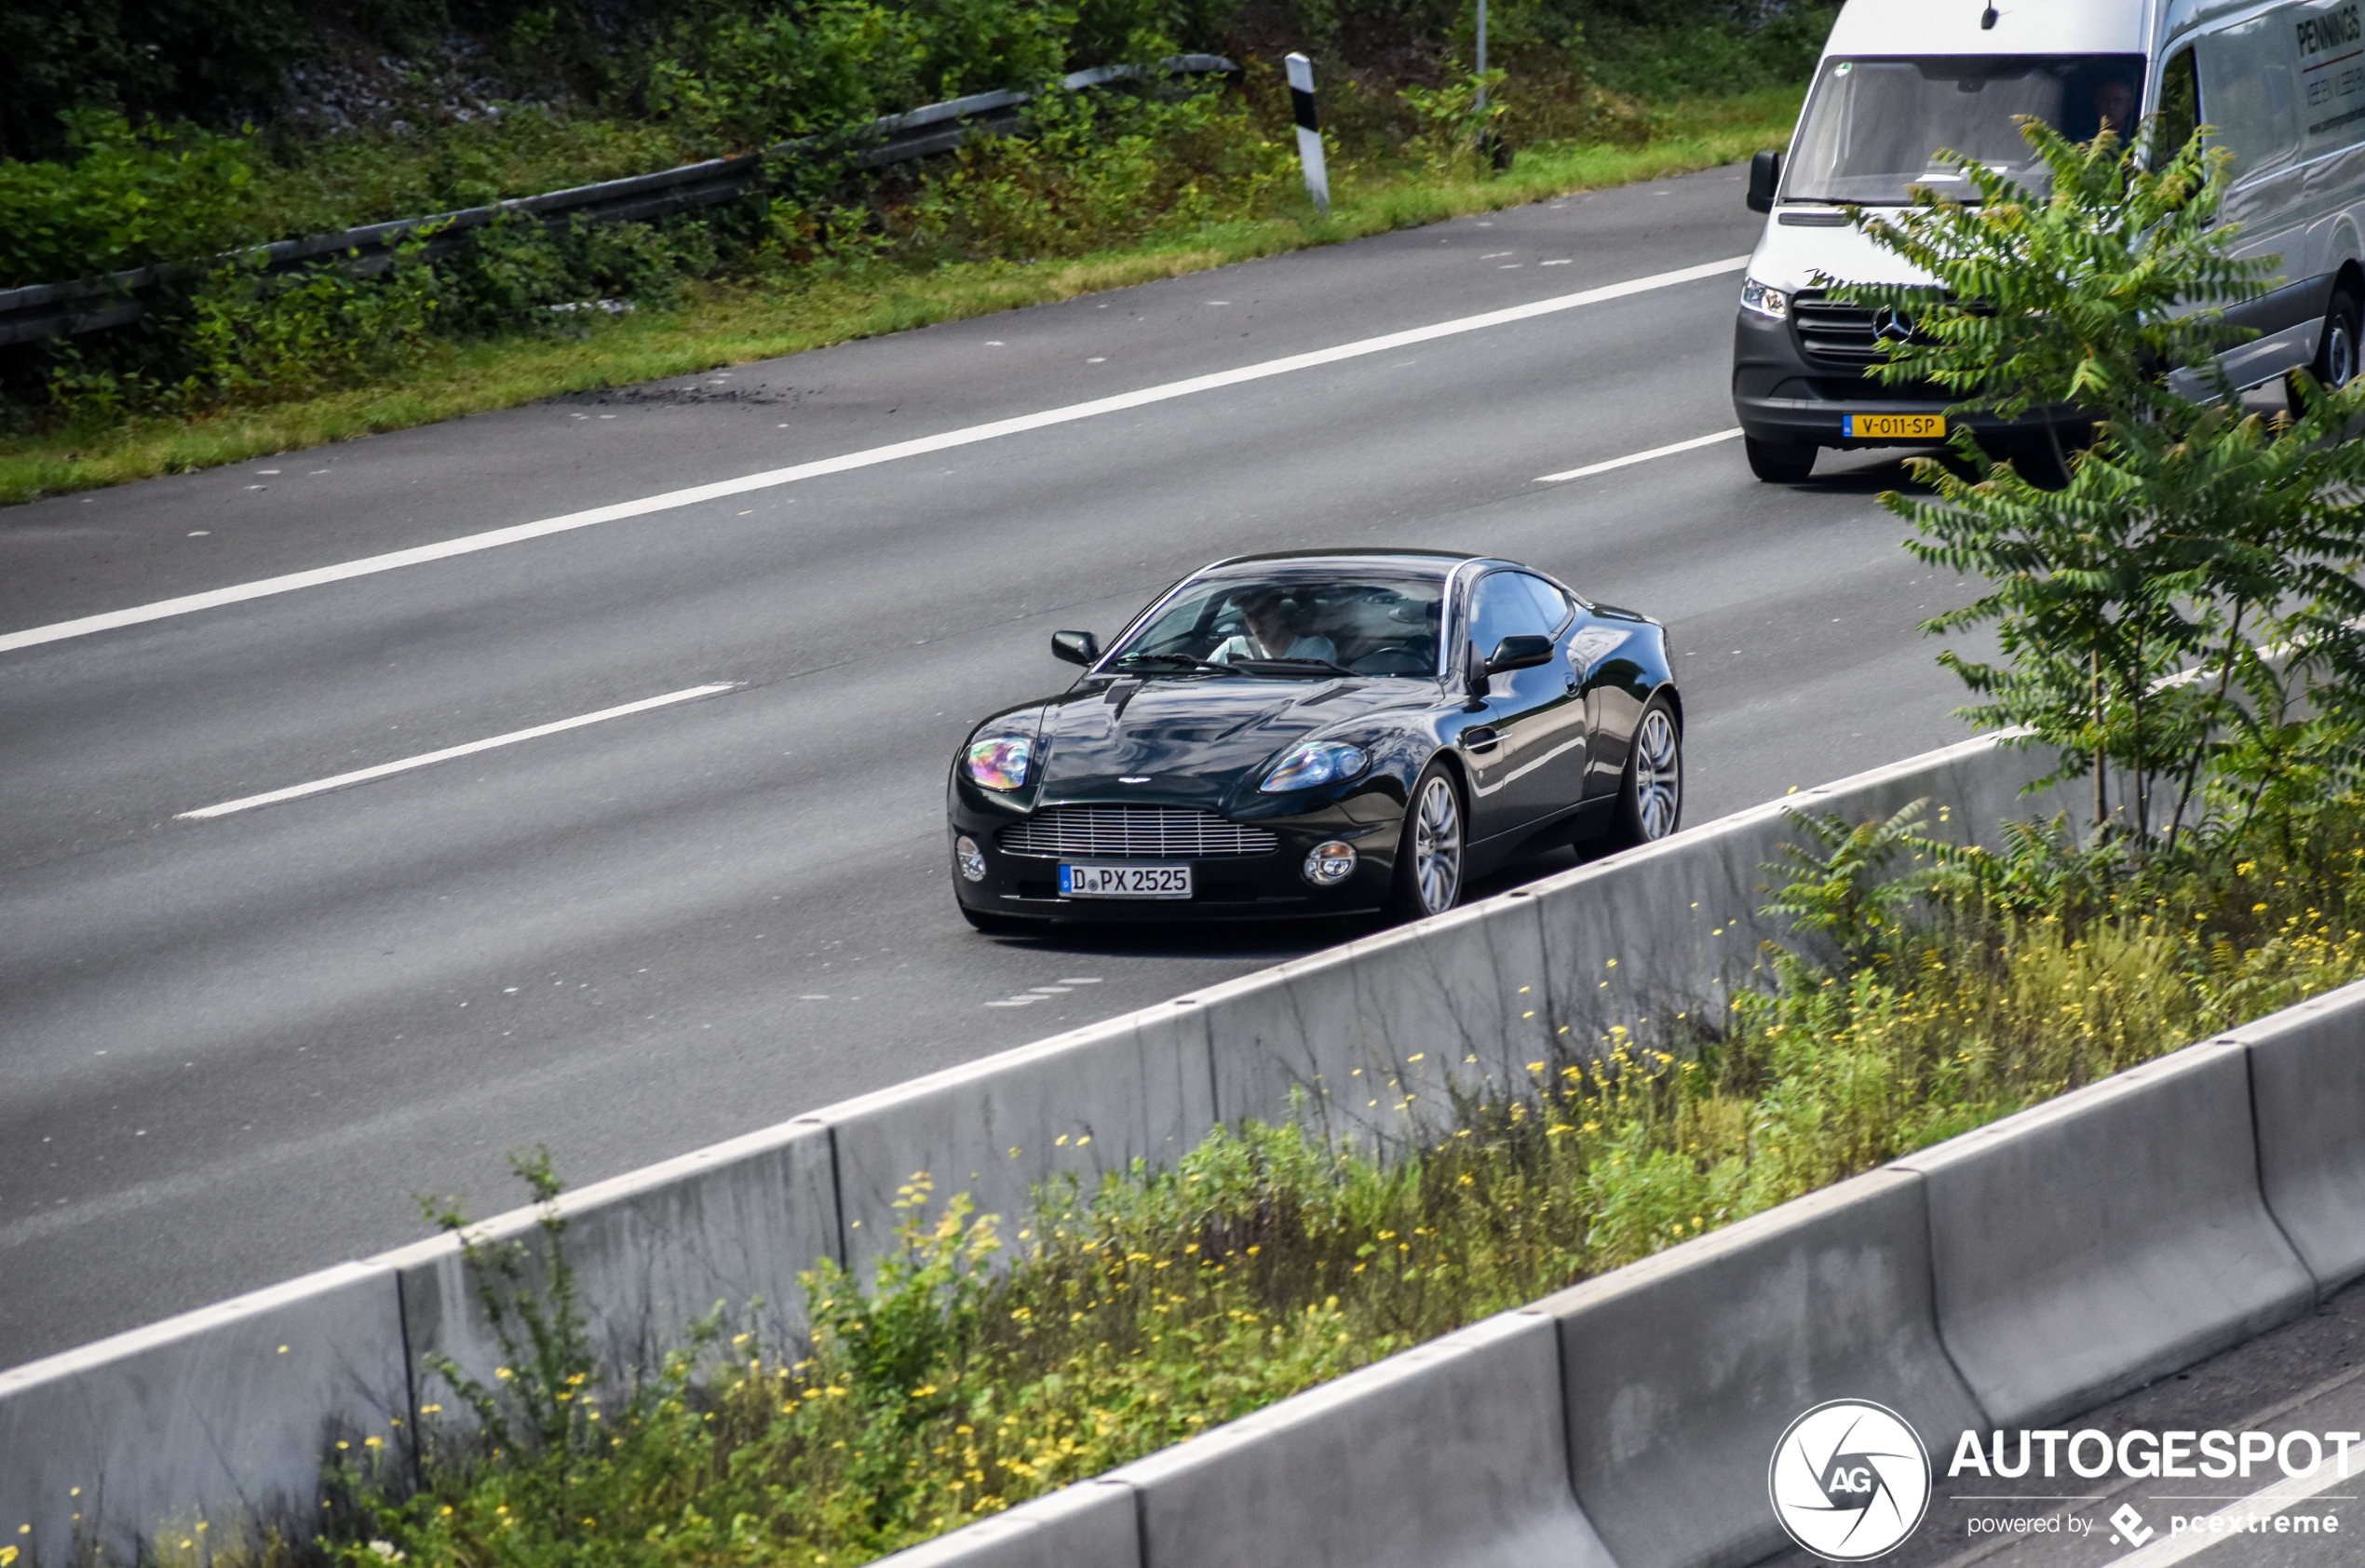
x,y
2282,84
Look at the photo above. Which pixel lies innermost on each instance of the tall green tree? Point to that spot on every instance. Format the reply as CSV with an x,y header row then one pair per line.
x,y
2183,607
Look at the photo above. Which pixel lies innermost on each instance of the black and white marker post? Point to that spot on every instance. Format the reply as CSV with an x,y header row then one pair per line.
x,y
1309,132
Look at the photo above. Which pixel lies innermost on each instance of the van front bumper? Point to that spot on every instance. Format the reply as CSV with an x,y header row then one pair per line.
x,y
1780,396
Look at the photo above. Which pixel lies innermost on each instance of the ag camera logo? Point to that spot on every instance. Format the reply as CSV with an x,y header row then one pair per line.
x,y
1850,1481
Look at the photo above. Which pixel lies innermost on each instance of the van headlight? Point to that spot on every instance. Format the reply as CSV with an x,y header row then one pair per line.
x,y
999,761
1772,304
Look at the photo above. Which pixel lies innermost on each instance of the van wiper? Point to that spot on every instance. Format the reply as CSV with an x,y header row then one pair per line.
x,y
1315,666
1177,661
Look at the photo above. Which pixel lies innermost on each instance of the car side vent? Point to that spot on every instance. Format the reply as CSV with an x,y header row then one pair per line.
x,y
1133,833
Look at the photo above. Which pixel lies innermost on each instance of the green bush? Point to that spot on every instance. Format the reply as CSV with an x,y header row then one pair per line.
x,y
128,198
1089,171
241,334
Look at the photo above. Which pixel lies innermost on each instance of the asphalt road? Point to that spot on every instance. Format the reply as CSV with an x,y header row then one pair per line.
x,y
231,1050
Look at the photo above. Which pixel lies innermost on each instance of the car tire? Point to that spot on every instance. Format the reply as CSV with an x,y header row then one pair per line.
x,y
1650,791
999,925
1430,854
2336,363
1779,462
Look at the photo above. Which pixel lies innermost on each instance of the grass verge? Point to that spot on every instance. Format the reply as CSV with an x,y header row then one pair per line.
x,y
1163,1303
728,324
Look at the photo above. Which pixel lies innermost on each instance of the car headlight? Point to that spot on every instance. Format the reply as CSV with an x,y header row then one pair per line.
x,y
1770,302
999,761
1316,762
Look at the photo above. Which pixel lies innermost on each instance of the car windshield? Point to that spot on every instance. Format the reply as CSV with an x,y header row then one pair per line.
x,y
1291,626
1873,128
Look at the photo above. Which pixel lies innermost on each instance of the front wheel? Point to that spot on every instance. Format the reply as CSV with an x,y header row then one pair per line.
x,y
1650,792
1779,462
2336,361
1428,858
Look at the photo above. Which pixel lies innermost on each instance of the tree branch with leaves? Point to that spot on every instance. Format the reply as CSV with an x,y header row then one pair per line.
x,y
2192,584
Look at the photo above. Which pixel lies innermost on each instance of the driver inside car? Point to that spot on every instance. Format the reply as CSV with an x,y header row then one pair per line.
x,y
1270,634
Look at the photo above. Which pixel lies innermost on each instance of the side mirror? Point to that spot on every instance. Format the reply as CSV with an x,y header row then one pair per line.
x,y
1523,652
1076,647
1475,685
1766,178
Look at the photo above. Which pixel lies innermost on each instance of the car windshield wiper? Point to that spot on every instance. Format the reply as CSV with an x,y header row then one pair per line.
x,y
1177,661
1316,667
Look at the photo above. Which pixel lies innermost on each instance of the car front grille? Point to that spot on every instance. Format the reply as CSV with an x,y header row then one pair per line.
x,y
1145,832
1833,333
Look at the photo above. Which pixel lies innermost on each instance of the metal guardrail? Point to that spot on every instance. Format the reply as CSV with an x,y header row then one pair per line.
x,y
43,310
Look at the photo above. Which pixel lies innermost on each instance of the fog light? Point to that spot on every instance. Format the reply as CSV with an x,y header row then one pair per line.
x,y
969,857
1330,864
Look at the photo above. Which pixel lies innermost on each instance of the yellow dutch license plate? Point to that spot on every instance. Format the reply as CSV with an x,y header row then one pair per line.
x,y
1897,426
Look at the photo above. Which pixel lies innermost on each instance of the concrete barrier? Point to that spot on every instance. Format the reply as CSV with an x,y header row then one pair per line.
x,y
2086,1245
1078,1105
1449,1452
1375,1033
653,1251
223,1415
1673,927
1090,1525
2307,1089
1681,1372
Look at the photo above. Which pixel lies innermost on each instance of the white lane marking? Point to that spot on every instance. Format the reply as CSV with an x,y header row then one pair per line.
x,y
669,500
1589,469
427,759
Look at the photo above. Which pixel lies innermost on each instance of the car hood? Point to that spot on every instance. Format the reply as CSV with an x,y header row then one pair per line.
x,y
1193,741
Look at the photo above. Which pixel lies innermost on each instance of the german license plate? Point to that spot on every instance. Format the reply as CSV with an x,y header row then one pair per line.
x,y
1897,426
1125,882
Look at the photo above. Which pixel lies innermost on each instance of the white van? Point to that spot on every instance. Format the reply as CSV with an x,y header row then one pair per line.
x,y
2282,83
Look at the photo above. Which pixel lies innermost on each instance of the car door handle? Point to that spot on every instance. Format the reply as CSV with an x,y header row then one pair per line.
x,y
1480,738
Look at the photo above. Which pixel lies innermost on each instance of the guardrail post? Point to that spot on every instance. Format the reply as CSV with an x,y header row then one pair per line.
x,y
1309,132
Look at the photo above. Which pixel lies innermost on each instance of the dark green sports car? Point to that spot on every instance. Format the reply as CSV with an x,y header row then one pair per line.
x,y
1319,733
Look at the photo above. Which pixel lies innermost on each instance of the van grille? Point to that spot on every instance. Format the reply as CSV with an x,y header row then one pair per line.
x,y
1833,333
1145,832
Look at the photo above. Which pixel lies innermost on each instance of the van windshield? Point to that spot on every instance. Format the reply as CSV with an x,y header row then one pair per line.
x,y
1872,126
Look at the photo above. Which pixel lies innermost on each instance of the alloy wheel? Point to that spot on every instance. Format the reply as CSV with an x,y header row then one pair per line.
x,y
1436,845
1658,775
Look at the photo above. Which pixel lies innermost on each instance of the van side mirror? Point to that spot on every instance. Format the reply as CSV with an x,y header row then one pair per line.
x,y
1522,651
1766,178
1076,647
